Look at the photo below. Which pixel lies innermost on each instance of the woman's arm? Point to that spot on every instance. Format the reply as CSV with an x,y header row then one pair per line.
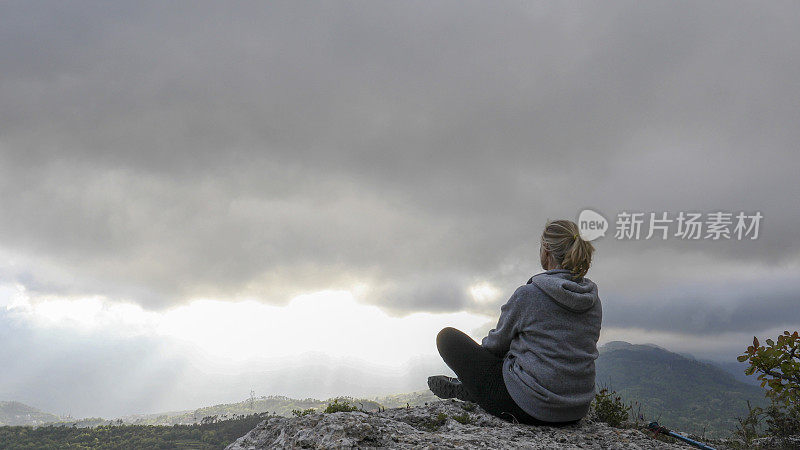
x,y
499,339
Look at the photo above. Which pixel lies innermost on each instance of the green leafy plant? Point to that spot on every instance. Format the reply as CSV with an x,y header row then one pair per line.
x,y
305,412
435,423
749,426
782,420
468,406
339,406
464,419
778,366
610,408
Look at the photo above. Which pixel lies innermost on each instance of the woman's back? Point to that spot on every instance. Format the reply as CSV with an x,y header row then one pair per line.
x,y
548,335
537,365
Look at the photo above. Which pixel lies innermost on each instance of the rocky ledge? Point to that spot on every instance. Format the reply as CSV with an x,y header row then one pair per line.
x,y
440,424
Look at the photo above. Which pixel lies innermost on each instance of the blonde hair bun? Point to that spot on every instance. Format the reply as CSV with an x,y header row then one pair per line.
x,y
563,241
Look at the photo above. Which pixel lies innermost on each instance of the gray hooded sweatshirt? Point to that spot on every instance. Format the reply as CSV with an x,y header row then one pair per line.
x,y
547,335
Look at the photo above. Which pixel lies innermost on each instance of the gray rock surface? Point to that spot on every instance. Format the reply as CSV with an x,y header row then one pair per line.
x,y
788,442
433,426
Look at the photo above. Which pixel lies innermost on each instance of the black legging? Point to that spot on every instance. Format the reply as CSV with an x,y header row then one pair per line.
x,y
481,373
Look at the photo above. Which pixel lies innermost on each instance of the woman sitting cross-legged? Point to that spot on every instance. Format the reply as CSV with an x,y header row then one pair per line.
x,y
537,365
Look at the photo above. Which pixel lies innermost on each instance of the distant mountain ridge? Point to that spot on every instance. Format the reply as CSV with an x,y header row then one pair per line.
x,y
16,413
736,369
677,390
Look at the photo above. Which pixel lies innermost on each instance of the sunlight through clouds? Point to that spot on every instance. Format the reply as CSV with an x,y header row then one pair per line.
x,y
484,292
248,333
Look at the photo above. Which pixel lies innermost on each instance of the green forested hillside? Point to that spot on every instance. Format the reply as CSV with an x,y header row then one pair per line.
x,y
680,392
209,435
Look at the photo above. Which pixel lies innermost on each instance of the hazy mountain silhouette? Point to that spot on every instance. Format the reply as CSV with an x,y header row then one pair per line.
x,y
16,413
677,390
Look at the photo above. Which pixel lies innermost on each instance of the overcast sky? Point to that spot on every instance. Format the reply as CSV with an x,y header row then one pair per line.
x,y
167,165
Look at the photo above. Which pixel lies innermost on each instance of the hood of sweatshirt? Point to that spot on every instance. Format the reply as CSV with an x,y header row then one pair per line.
x,y
576,296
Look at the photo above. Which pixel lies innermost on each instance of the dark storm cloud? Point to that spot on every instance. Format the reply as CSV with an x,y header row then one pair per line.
x,y
158,152
709,308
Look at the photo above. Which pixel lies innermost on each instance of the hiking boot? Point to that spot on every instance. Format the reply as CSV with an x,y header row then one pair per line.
x,y
448,387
